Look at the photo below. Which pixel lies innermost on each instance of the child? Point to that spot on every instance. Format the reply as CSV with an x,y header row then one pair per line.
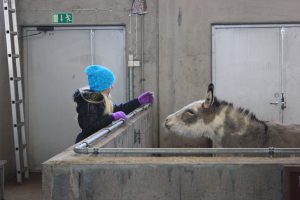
x,y
94,107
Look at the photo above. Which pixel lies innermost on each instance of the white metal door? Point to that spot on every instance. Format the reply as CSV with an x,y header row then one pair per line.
x,y
247,69
103,48
255,66
54,69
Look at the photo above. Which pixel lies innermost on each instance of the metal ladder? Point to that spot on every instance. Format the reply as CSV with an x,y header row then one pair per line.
x,y
15,83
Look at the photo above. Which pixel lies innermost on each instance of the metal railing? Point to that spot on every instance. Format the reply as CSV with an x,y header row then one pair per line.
x,y
83,146
192,151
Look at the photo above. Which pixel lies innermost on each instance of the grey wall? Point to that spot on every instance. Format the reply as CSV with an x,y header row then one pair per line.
x,y
177,46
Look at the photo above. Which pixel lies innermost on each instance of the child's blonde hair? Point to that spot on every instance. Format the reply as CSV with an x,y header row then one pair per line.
x,y
108,104
94,97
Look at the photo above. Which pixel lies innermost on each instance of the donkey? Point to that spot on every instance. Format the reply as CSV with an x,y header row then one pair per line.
x,y
230,127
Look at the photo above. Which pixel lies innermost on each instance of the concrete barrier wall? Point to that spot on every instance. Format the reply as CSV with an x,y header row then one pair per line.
x,y
178,178
80,176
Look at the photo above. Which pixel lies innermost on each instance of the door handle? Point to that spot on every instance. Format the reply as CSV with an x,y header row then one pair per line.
x,y
283,102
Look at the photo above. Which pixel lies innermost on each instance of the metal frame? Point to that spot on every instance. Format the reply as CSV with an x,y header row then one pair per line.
x,y
2,163
224,26
288,172
15,83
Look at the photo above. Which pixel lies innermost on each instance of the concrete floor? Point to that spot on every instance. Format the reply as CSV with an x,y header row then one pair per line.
x,y
29,189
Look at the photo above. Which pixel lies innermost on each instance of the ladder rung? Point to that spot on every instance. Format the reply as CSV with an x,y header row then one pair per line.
x,y
13,55
23,146
17,101
19,124
11,32
15,78
24,169
11,10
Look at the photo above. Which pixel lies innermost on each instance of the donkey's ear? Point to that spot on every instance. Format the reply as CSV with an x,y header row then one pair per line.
x,y
209,99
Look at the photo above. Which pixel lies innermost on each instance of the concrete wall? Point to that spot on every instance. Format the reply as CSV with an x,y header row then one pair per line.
x,y
167,178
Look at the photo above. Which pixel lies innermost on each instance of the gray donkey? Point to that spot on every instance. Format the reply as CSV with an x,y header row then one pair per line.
x,y
230,127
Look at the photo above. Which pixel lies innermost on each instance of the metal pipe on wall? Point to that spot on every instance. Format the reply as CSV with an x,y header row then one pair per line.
x,y
130,74
131,83
142,54
191,151
92,47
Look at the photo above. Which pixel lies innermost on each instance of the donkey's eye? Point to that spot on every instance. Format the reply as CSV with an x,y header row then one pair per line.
x,y
191,112
189,116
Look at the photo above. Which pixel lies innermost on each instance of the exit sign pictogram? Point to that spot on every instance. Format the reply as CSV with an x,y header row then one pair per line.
x,y
63,18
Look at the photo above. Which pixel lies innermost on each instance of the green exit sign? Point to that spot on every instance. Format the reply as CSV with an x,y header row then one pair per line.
x,y
63,18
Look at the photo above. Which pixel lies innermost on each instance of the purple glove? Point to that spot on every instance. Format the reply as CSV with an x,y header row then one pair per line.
x,y
147,97
119,115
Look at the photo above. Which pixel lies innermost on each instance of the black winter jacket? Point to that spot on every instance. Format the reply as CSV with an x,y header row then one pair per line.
x,y
91,116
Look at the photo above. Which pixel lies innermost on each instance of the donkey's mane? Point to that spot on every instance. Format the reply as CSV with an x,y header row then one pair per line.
x,y
245,112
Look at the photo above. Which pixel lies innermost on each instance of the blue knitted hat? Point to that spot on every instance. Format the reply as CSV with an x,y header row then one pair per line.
x,y
100,78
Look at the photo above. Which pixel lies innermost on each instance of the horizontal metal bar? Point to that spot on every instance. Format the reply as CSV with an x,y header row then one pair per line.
x,y
12,10
15,78
225,26
85,143
19,124
17,101
192,151
15,55
31,28
24,169
13,33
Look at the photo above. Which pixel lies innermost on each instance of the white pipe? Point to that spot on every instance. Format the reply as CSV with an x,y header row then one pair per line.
x,y
190,151
92,46
142,53
131,83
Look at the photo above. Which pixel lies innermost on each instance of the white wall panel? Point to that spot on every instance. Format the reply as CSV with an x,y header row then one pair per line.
x,y
110,52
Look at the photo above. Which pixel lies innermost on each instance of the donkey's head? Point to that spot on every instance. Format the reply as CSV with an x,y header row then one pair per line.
x,y
196,119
